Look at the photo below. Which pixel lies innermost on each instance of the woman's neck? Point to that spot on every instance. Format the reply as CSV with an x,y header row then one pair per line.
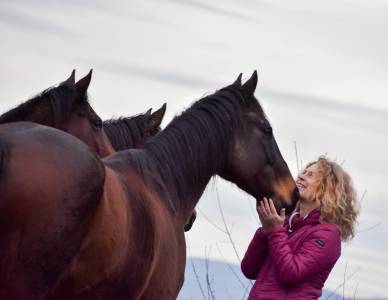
x,y
306,207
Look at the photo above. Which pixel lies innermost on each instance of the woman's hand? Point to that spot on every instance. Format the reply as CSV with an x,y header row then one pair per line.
x,y
268,215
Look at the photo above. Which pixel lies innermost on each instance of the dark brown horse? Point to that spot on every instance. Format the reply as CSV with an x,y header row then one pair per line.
x,y
75,227
65,107
134,131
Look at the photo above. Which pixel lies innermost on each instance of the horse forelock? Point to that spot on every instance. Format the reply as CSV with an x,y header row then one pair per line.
x,y
194,146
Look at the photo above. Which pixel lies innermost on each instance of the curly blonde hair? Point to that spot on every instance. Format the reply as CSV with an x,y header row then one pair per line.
x,y
333,189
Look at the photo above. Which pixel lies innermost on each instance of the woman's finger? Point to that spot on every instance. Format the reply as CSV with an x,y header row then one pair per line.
x,y
266,206
272,207
262,209
283,213
258,208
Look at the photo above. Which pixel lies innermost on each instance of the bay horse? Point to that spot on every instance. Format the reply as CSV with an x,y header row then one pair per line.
x,y
73,226
65,107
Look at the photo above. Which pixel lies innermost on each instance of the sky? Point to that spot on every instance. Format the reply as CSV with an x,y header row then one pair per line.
x,y
322,65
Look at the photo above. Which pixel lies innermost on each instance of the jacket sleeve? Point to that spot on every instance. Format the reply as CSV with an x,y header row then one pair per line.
x,y
255,255
319,250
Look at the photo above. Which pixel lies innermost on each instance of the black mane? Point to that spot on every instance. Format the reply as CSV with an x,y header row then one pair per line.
x,y
126,133
193,147
51,107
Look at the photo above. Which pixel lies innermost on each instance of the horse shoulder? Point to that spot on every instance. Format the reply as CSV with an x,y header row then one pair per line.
x,y
104,248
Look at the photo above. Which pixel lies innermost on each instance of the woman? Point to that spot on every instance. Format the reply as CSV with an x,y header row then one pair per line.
x,y
291,257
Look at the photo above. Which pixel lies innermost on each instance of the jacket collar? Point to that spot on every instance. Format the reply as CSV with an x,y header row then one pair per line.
x,y
294,222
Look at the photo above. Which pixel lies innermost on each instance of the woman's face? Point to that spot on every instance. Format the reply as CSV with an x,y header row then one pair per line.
x,y
305,180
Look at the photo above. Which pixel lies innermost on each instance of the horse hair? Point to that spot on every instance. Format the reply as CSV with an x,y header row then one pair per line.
x,y
63,99
4,155
193,147
125,133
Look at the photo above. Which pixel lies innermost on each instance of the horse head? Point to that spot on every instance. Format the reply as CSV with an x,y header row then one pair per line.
x,y
82,121
65,107
254,161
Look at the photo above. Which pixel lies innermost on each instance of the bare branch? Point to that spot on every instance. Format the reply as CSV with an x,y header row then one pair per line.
x,y
196,274
197,279
339,286
369,228
254,213
355,292
296,156
210,291
363,196
343,286
209,220
227,229
232,270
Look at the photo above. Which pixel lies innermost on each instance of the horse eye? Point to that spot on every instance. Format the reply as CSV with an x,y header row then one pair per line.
x,y
97,122
267,131
81,114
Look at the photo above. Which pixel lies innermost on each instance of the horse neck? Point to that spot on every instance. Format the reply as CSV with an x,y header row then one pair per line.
x,y
187,154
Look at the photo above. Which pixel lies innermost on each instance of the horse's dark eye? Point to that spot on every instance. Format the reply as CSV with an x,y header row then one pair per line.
x,y
81,114
267,131
97,122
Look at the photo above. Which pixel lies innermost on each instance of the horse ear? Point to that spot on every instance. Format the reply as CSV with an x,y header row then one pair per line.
x,y
250,84
83,84
157,117
238,81
148,112
71,79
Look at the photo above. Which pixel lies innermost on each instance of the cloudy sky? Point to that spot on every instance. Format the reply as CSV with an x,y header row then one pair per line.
x,y
323,70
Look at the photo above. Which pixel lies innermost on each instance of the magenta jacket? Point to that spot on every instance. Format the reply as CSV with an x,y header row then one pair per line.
x,y
292,261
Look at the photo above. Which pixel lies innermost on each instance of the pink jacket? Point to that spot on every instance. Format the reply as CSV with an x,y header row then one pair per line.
x,y
292,261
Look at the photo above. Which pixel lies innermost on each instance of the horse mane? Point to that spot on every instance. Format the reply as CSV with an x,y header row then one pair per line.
x,y
126,133
4,155
192,148
51,107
